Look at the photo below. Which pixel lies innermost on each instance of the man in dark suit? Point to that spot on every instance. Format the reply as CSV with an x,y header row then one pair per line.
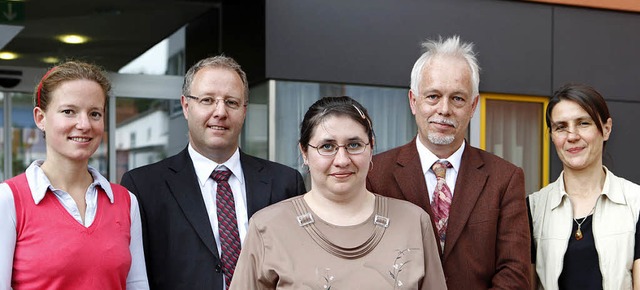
x,y
479,205
186,231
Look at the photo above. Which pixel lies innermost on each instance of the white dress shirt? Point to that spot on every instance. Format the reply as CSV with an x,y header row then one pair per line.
x,y
427,158
39,184
204,167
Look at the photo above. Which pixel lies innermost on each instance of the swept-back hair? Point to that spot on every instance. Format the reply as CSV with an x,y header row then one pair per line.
x,y
588,98
68,71
451,46
219,61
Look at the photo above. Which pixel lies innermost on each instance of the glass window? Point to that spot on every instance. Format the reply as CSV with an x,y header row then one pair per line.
x,y
27,141
2,139
294,98
100,159
137,117
255,133
514,132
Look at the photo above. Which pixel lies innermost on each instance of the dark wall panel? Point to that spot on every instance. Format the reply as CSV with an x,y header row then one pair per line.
x,y
621,155
377,41
524,48
202,37
600,48
243,36
233,30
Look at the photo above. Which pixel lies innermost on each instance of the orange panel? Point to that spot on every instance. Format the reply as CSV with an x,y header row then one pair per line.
x,y
626,5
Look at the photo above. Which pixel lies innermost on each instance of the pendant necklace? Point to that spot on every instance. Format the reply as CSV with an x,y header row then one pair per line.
x,y
578,233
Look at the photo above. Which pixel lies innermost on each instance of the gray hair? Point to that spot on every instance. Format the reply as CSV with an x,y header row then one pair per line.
x,y
451,47
219,61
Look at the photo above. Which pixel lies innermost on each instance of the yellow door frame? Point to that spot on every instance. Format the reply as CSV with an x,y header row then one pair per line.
x,y
543,133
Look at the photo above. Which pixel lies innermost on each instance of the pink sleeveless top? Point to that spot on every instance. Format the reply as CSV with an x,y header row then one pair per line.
x,y
54,251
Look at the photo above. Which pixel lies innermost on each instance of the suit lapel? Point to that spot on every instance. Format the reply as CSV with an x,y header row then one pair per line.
x,y
257,183
410,177
469,185
183,184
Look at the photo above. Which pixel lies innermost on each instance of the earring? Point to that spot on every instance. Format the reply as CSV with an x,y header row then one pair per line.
x,y
305,166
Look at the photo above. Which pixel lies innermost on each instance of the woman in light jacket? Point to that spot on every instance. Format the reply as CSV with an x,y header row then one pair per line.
x,y
584,224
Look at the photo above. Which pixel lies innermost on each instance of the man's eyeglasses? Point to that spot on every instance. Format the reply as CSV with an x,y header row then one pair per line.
x,y
231,103
329,149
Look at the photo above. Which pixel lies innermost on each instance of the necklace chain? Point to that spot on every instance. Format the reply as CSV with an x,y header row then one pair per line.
x,y
578,233
585,217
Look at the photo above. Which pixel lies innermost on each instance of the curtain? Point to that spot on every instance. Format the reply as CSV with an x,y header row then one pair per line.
x,y
513,132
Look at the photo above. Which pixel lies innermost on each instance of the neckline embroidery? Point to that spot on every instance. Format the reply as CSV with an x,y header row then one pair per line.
x,y
380,219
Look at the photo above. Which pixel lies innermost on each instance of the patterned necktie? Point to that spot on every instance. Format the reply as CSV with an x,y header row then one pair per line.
x,y
441,199
227,224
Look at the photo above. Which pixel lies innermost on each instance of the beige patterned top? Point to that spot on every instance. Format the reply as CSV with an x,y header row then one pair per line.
x,y
279,254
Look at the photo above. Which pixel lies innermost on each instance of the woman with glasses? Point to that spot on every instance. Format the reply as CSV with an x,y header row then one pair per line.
x,y
584,226
339,235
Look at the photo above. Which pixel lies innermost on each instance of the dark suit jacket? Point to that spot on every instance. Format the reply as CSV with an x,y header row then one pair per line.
x,y
180,249
488,240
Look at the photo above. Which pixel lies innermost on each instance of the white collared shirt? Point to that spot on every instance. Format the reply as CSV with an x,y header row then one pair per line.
x,y
39,184
204,167
427,158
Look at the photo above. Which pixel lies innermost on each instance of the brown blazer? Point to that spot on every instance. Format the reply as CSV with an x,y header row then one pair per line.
x,y
488,239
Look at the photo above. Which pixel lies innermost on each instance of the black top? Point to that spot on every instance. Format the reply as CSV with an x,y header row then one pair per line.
x,y
636,252
581,269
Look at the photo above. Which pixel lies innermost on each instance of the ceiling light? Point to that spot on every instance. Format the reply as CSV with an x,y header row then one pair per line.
x,y
8,55
73,38
51,59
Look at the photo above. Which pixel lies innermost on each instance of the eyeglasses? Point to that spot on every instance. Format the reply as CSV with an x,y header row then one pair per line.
x,y
329,149
563,129
231,103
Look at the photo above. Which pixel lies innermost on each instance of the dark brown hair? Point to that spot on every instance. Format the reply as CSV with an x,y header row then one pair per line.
x,y
334,106
586,97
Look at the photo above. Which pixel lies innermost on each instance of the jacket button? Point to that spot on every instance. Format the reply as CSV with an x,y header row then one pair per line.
x,y
218,269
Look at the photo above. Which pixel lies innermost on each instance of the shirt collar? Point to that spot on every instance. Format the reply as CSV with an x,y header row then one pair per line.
x,y
610,189
39,182
205,166
559,194
427,158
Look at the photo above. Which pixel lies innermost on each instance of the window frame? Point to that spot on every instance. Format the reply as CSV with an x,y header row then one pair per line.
x,y
544,134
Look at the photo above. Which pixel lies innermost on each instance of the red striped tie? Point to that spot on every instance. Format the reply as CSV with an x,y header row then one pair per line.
x,y
441,199
227,224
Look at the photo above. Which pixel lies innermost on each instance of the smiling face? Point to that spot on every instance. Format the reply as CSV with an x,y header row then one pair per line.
x,y
214,129
73,121
343,173
577,140
444,104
